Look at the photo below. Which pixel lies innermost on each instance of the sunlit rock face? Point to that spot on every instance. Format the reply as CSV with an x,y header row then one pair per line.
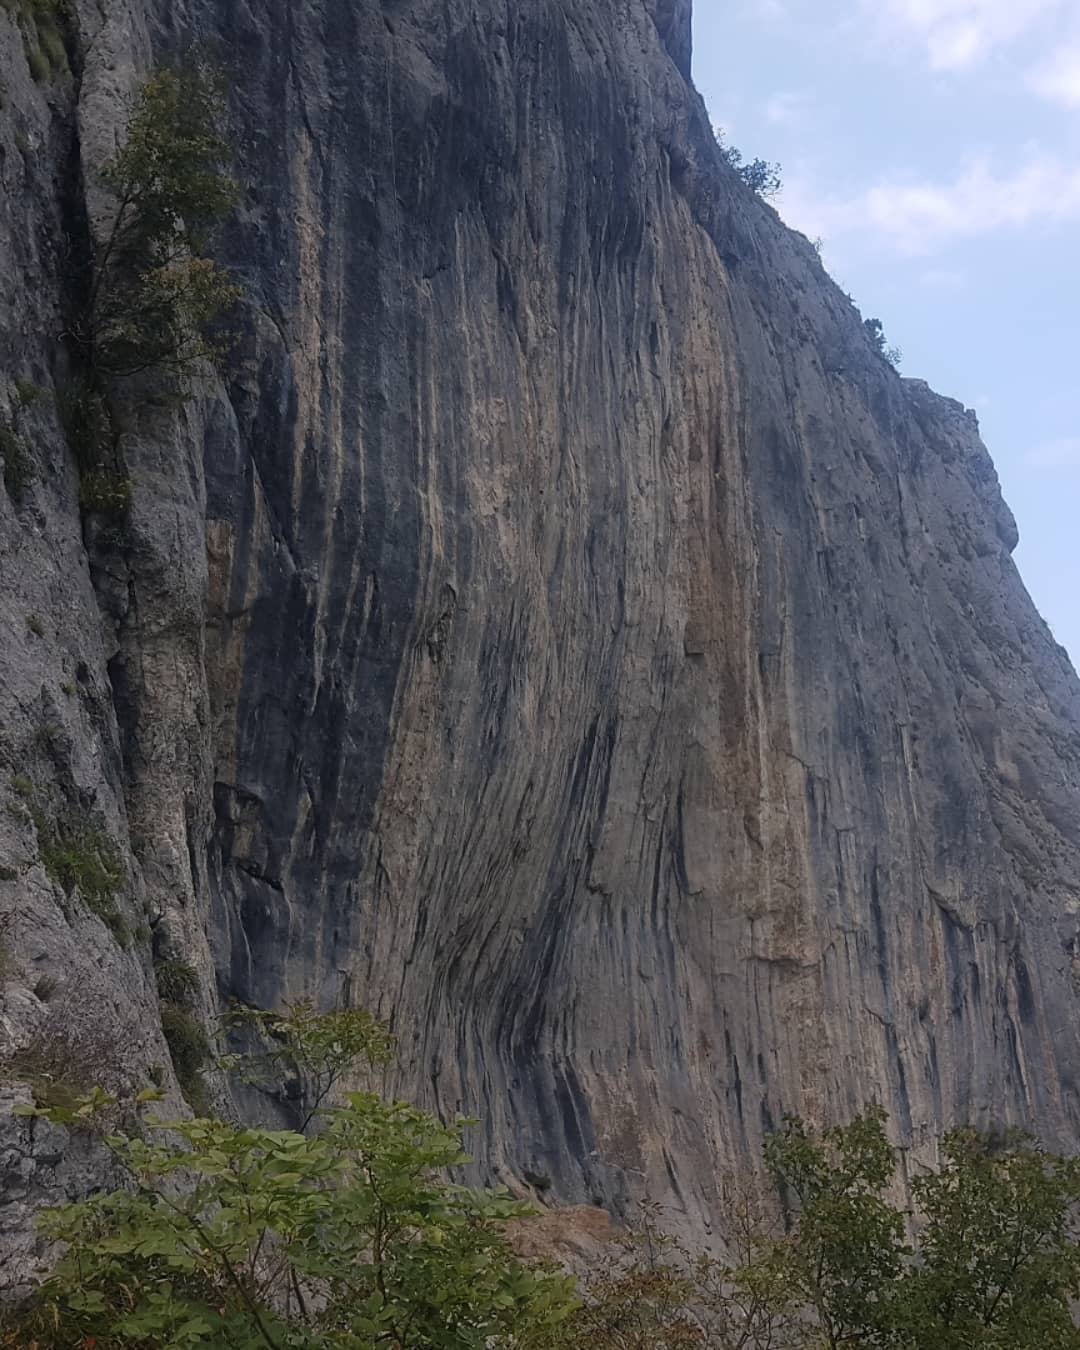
x,y
559,631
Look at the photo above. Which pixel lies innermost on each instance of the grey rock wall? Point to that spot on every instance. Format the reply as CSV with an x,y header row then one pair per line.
x,y
560,633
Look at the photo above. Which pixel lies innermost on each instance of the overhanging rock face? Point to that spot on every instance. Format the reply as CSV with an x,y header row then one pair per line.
x,y
562,633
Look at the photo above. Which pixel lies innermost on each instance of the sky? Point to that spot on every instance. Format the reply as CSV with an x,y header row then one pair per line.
x,y
934,147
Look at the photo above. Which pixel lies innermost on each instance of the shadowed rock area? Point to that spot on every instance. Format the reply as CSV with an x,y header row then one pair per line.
x,y
560,631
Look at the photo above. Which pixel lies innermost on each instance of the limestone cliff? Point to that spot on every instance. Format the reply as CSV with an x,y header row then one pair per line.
x,y
561,632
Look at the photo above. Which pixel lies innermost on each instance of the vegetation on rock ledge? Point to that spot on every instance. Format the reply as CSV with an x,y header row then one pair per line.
x,y
348,1235
148,299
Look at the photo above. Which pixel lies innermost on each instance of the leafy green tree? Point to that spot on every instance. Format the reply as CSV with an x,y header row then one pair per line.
x,y
319,1048
846,1247
152,293
230,1238
998,1253
995,1263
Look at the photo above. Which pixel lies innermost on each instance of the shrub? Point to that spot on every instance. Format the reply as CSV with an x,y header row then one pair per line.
x,y
758,174
79,857
87,861
7,940
190,1051
64,1059
105,492
177,982
51,43
43,41
88,424
18,468
150,298
352,1238
28,393
39,66
875,331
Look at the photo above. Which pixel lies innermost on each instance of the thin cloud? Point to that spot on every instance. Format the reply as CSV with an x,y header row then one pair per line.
x,y
1059,79
958,34
922,217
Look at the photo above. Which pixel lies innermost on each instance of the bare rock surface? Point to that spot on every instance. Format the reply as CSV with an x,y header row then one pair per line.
x,y
560,632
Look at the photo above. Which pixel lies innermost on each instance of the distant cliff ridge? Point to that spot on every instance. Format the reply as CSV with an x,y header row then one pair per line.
x,y
559,631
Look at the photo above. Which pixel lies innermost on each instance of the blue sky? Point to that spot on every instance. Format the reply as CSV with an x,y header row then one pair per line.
x,y
934,146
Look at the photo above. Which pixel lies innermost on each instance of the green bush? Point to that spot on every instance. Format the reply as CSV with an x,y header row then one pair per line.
x,y
42,22
28,393
352,1237
151,297
63,1060
190,1051
106,493
265,1239
177,983
87,861
51,43
88,424
7,939
38,63
79,857
18,468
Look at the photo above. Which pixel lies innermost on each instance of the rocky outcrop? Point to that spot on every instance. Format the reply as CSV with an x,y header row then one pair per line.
x,y
561,632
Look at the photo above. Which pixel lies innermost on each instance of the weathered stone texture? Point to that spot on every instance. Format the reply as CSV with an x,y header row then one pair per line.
x,y
561,633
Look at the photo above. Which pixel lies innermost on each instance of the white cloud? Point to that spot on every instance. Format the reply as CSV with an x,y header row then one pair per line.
x,y
921,217
1059,79
957,34
1060,454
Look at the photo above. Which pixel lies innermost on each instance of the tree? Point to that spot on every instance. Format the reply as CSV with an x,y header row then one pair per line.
x,y
875,331
758,174
999,1250
319,1048
232,1238
652,1293
995,1262
152,294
